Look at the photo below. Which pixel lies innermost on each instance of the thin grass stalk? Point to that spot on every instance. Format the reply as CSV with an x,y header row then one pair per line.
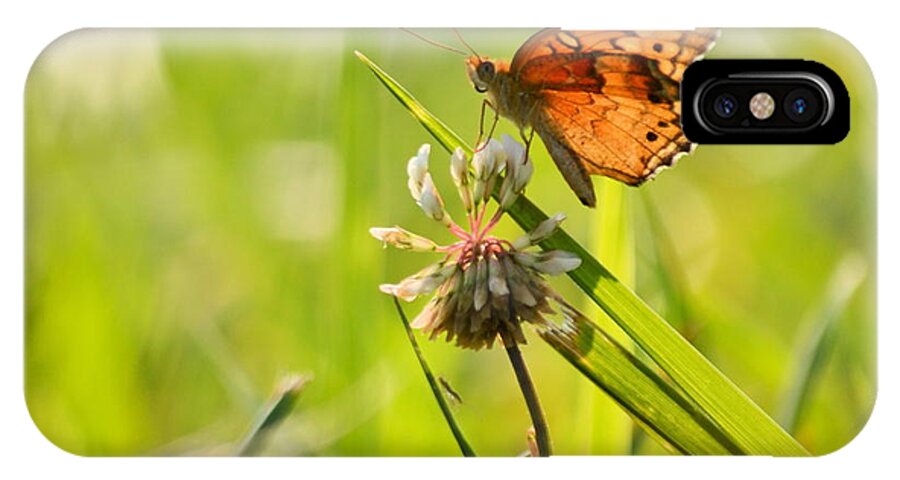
x,y
818,342
458,435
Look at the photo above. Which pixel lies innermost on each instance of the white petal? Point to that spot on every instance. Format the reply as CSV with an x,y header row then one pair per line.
x,y
518,172
424,150
499,155
420,283
521,293
417,168
527,259
428,283
557,261
523,175
424,319
483,160
488,161
516,278
415,188
459,170
459,167
508,194
430,200
522,242
481,284
497,278
393,290
513,149
545,229
488,188
465,289
402,239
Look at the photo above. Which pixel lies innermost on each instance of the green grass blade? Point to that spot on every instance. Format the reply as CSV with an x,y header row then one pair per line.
x,y
744,422
274,412
435,388
613,243
818,340
441,132
657,407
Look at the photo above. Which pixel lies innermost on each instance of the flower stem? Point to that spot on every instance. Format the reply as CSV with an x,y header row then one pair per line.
x,y
541,431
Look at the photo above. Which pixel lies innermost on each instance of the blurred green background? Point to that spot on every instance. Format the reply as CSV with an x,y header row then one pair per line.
x,y
197,211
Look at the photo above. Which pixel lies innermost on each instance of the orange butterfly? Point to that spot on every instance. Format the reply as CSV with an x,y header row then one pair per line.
x,y
604,103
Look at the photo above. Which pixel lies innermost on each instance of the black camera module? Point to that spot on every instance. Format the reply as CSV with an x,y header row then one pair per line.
x,y
807,102
725,105
801,105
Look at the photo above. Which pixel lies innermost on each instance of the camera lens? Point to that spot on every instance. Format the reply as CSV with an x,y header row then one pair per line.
x,y
725,105
801,105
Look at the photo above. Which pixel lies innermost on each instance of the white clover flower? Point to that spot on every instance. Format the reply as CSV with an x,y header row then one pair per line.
x,y
485,286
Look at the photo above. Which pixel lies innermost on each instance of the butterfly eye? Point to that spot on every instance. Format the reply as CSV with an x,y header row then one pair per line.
x,y
486,71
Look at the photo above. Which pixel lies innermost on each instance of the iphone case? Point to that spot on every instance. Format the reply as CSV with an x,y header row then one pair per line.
x,y
202,277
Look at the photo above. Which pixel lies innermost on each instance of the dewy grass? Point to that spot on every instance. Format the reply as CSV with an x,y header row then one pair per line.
x,y
729,411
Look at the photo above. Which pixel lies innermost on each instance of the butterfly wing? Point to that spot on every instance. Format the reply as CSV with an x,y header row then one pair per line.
x,y
607,102
619,137
672,51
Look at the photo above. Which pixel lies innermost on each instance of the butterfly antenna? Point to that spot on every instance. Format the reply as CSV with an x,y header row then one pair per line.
x,y
463,40
432,42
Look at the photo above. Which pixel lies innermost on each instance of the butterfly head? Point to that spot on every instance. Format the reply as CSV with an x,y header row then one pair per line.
x,y
484,72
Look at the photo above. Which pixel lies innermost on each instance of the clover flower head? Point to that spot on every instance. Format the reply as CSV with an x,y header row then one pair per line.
x,y
484,286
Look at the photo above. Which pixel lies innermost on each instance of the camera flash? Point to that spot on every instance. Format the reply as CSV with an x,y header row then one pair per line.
x,y
762,105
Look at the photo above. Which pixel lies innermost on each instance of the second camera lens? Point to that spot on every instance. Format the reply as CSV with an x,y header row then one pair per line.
x,y
801,105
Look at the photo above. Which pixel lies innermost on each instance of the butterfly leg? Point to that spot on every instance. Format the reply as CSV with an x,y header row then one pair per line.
x,y
484,104
527,139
